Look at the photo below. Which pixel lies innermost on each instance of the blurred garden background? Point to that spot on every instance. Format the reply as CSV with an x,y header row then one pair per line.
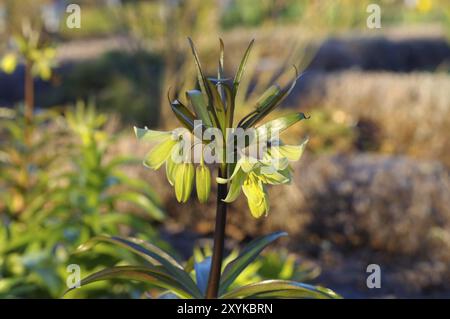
x,y
372,188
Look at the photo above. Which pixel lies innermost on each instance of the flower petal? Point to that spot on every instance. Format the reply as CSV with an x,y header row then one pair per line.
x,y
159,154
170,170
184,178
203,183
235,186
146,135
292,152
257,198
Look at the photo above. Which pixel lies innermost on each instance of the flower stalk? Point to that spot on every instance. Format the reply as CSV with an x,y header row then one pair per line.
x,y
219,238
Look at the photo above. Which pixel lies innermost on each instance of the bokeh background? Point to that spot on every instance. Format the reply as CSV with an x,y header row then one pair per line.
x,y
372,188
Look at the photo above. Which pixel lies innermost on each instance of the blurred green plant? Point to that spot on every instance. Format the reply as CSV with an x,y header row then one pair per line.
x,y
57,190
38,58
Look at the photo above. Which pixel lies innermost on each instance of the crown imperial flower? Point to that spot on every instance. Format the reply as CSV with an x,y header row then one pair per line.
x,y
212,108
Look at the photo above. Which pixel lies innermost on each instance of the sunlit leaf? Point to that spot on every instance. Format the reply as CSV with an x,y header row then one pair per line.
x,y
280,289
246,256
241,68
154,275
142,201
152,254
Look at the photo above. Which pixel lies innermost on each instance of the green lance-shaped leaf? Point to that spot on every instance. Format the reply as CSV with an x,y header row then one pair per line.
x,y
219,107
153,254
280,289
246,257
154,275
220,70
199,106
203,183
241,69
183,114
203,83
184,178
268,102
142,201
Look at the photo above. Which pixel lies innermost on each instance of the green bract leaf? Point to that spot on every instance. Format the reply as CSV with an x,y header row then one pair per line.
x,y
202,81
280,289
277,126
267,103
241,69
247,256
199,106
154,275
183,114
219,107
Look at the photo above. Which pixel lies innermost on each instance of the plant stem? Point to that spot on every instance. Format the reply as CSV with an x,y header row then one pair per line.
x,y
219,238
29,92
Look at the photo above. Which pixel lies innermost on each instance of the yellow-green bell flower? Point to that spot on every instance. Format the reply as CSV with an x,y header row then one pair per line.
x,y
252,175
292,152
169,151
203,182
184,178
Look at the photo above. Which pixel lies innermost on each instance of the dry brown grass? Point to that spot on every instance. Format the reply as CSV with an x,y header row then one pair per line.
x,y
412,110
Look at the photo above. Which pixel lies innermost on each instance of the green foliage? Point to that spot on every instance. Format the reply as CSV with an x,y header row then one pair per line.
x,y
57,190
173,280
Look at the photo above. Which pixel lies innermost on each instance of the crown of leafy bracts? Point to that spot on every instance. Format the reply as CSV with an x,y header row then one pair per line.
x,y
214,105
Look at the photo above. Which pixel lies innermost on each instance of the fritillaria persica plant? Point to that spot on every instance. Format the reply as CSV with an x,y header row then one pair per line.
x,y
248,157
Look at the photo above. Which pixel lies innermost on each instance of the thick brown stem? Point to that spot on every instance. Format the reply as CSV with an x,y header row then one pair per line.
x,y
29,92
219,239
